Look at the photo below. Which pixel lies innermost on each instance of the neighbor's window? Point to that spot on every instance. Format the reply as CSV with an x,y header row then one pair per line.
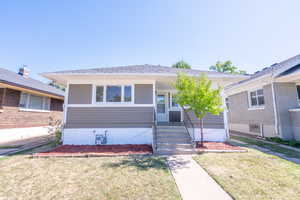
x,y
113,93
298,91
99,93
34,102
127,93
257,98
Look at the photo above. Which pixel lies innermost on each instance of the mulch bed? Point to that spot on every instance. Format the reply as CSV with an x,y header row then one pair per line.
x,y
218,146
96,150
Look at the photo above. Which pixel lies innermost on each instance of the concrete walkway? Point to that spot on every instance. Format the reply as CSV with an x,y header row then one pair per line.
x,y
22,145
192,180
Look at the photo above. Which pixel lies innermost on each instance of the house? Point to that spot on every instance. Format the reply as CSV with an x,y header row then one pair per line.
x,y
122,105
27,106
267,103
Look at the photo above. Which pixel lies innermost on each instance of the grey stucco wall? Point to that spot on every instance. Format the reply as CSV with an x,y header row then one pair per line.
x,y
143,94
80,94
109,117
286,98
295,122
239,114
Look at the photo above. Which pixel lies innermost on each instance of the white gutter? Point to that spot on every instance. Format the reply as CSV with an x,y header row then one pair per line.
x,y
274,105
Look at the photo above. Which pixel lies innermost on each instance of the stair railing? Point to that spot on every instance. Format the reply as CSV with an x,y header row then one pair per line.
x,y
189,126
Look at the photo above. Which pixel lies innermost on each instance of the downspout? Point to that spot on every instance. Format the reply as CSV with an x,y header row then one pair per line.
x,y
274,105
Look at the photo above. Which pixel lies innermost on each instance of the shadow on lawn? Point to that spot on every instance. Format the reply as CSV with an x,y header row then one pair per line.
x,y
141,163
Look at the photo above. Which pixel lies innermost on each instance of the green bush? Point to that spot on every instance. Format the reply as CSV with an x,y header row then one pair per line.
x,y
58,137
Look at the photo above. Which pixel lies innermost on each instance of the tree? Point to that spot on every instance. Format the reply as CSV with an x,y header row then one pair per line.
x,y
182,65
197,95
226,67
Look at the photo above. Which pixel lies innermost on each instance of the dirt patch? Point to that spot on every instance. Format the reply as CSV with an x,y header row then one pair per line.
x,y
217,146
97,150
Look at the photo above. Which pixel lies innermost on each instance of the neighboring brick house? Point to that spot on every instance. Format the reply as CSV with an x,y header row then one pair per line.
x,y
26,103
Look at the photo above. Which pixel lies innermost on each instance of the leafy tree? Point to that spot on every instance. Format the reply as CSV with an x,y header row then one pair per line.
x,y
197,95
182,65
226,67
53,84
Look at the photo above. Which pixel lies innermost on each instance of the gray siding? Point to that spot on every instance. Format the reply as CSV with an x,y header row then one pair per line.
x,y
286,98
80,94
143,94
209,121
109,117
295,121
240,114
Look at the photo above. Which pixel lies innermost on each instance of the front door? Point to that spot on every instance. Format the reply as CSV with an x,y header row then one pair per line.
x,y
162,108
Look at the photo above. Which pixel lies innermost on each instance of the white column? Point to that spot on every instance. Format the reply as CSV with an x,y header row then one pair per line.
x,y
225,116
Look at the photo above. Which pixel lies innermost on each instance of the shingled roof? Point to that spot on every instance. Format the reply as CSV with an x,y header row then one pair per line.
x,y
14,79
137,69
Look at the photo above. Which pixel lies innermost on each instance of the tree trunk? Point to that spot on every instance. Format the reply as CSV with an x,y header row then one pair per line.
x,y
201,128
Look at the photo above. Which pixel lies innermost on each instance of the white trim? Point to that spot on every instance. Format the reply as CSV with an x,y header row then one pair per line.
x,y
257,107
66,104
110,105
225,117
275,108
294,110
33,110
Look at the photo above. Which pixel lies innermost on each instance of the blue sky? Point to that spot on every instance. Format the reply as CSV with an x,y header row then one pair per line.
x,y
57,35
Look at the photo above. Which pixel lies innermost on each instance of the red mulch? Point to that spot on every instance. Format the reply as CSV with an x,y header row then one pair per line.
x,y
97,150
218,146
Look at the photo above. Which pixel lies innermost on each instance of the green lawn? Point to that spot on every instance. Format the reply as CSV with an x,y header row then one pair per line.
x,y
253,175
272,147
86,178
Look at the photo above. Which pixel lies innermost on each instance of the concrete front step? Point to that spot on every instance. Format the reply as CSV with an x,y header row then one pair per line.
x,y
173,139
172,145
176,152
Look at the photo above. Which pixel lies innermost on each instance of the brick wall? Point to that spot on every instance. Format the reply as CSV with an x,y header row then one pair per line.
x,y
12,117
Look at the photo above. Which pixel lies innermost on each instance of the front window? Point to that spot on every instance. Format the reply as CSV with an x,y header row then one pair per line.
x,y
99,93
127,93
113,93
257,98
34,102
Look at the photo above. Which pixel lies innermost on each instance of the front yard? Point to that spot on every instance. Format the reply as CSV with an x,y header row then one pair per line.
x,y
86,178
253,175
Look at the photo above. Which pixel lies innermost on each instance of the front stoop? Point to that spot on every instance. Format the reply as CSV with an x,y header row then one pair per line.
x,y
173,140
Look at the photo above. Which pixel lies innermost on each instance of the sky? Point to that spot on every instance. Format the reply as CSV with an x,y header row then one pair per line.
x,y
54,35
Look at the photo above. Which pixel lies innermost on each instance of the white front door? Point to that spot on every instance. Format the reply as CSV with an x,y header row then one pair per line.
x,y
162,107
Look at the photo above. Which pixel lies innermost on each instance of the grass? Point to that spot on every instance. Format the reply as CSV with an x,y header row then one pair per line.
x,y
272,147
10,147
253,175
292,143
86,178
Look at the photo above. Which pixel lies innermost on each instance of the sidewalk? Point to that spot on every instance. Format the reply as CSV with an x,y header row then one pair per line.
x,y
193,181
21,145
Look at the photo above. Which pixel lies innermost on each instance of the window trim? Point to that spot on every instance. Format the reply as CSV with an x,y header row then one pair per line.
x,y
257,107
26,108
104,94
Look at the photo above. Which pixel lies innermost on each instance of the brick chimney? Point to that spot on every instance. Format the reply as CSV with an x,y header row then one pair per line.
x,y
24,71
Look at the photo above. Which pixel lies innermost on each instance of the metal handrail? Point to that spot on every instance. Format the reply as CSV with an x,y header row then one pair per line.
x,y
187,120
